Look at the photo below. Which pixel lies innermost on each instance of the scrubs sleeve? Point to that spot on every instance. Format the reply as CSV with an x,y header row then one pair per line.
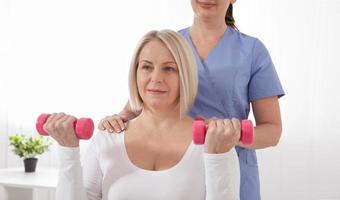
x,y
264,80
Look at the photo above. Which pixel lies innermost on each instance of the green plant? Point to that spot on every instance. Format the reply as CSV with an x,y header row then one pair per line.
x,y
28,147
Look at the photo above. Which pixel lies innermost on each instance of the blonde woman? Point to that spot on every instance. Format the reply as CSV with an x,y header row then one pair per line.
x,y
154,158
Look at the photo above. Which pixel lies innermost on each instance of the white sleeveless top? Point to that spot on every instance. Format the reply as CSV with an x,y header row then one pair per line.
x,y
106,172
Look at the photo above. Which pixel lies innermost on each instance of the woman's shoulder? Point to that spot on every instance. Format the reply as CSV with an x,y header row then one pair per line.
x,y
245,41
103,138
243,37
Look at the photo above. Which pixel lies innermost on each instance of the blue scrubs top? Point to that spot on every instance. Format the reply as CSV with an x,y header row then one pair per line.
x,y
237,71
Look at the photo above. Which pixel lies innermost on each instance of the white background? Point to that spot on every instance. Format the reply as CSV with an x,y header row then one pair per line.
x,y
74,56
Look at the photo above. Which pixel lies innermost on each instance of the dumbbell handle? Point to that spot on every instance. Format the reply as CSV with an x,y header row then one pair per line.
x,y
83,127
199,129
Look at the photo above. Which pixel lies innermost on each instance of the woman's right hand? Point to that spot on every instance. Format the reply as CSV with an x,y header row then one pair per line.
x,y
60,127
114,123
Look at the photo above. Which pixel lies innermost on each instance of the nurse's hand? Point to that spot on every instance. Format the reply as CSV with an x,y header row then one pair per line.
x,y
61,128
222,135
114,123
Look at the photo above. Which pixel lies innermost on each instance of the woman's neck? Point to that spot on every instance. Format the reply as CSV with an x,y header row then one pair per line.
x,y
160,121
207,30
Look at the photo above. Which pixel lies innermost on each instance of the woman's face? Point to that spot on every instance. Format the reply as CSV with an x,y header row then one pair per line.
x,y
210,9
157,76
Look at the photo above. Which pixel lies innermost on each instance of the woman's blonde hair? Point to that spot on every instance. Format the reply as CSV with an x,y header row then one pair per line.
x,y
185,61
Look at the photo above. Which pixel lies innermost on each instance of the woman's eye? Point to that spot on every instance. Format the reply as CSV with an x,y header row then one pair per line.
x,y
170,69
146,67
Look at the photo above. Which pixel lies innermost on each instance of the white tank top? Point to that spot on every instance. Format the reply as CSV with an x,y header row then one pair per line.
x,y
125,180
107,173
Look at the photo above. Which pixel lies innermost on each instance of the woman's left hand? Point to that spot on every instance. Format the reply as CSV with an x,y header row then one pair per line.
x,y
222,135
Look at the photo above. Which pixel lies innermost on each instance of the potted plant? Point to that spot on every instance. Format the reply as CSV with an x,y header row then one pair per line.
x,y
27,148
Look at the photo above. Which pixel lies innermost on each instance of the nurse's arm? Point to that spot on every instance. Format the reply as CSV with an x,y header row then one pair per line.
x,y
115,123
268,123
127,111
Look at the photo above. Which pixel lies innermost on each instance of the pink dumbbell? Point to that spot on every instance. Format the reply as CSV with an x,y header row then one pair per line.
x,y
199,130
83,127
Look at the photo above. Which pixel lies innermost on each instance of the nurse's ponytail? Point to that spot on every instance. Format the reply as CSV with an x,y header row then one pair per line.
x,y
229,19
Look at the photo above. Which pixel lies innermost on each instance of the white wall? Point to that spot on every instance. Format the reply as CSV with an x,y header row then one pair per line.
x,y
303,38
73,56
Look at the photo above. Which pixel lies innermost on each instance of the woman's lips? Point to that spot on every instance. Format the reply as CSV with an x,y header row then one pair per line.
x,y
206,1
206,4
152,91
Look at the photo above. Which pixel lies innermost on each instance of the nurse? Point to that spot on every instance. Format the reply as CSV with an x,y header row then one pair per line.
x,y
235,72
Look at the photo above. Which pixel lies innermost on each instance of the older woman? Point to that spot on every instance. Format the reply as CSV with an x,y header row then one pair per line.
x,y
154,158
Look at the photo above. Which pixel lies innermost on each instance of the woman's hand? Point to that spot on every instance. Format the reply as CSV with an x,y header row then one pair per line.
x,y
222,135
61,128
114,123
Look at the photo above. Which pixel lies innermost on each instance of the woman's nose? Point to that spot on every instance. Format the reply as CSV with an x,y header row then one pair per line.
x,y
157,76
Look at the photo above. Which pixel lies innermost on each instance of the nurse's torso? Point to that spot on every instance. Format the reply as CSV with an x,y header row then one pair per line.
x,y
223,92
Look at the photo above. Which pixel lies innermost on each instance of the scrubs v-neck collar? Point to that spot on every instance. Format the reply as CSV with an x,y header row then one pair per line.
x,y
212,51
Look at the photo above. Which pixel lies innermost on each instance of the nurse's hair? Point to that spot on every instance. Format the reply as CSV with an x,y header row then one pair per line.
x,y
229,18
185,61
